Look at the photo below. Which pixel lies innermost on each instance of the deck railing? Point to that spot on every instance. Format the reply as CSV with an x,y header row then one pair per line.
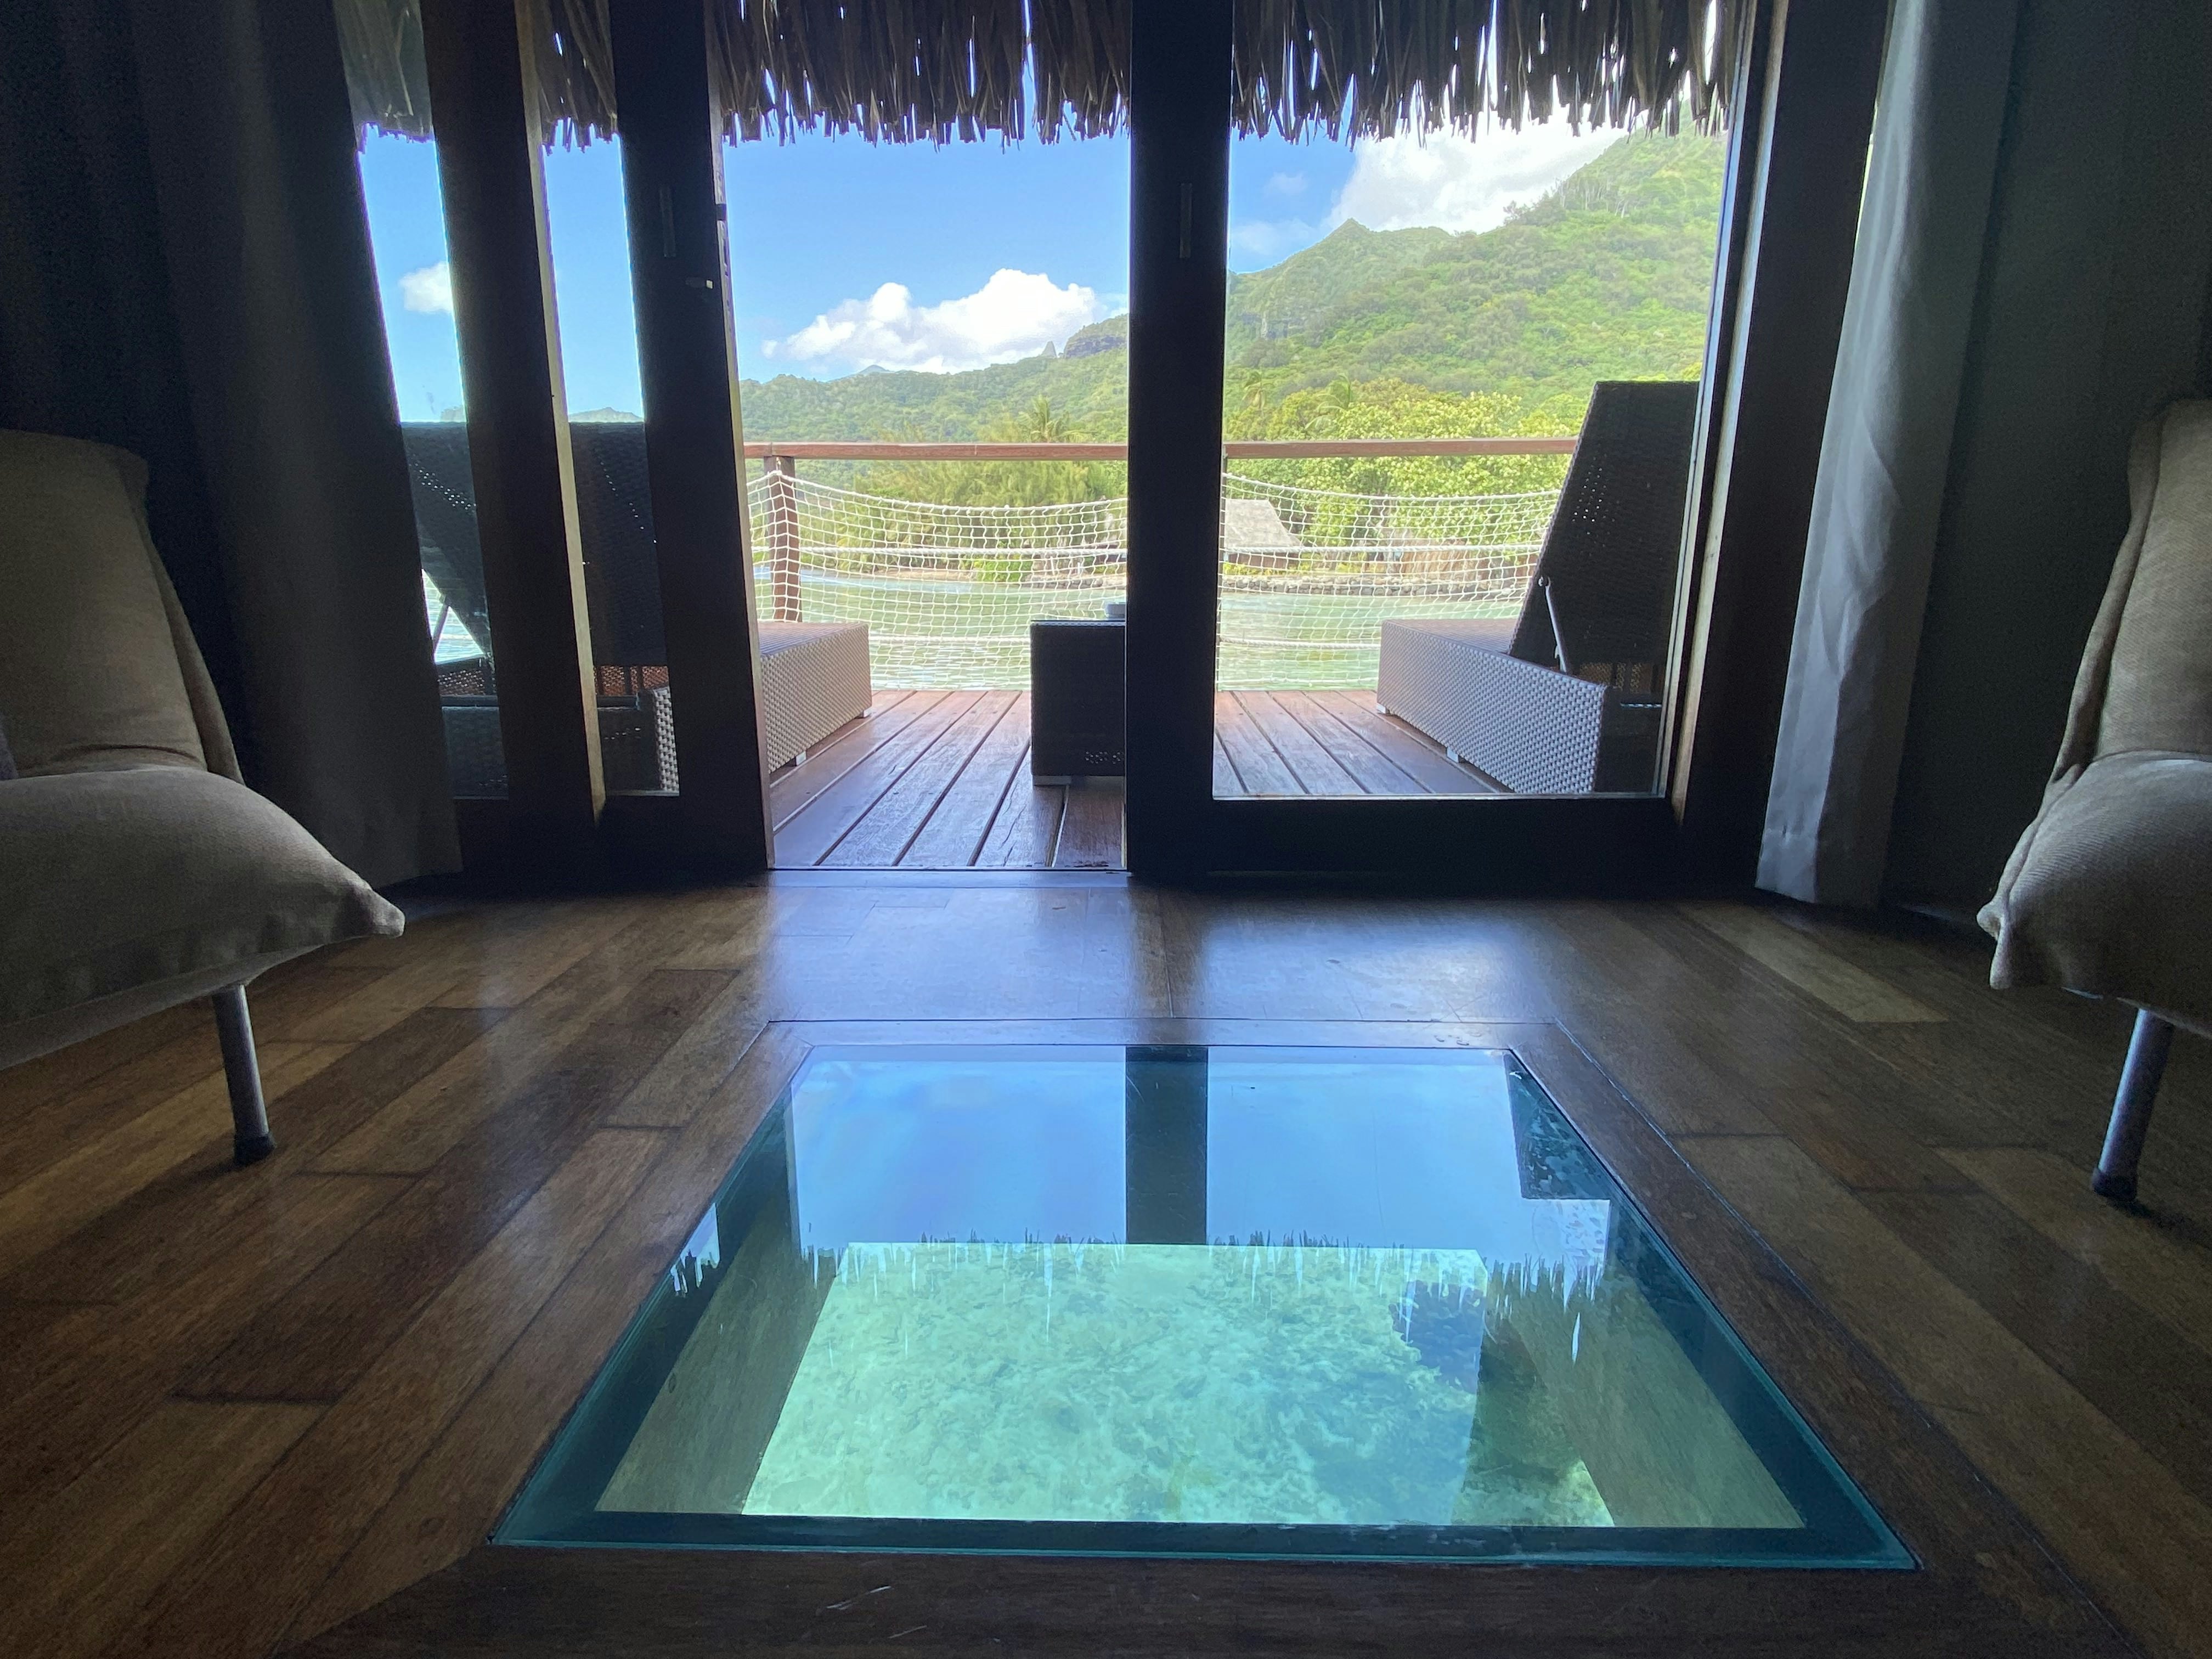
x,y
1307,574
949,592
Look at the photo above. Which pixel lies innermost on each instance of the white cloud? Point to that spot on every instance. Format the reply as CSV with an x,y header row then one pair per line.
x,y
1015,314
1456,183
430,288
1285,185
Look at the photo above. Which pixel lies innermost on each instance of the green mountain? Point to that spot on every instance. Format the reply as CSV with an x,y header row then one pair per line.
x,y
1408,333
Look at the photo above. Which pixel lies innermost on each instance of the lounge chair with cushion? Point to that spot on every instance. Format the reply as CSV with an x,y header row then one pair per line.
x,y
1565,698
814,676
136,870
2109,890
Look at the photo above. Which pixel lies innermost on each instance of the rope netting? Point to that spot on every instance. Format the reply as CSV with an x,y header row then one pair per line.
x,y
1307,575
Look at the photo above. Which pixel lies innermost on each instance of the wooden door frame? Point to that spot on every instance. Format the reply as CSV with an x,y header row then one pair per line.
x,y
557,826
491,174
677,225
1797,154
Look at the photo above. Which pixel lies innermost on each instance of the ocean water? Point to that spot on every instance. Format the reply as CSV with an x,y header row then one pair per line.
x,y
1171,1299
1222,1384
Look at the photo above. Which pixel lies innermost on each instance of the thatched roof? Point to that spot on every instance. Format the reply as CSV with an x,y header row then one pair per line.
x,y
906,71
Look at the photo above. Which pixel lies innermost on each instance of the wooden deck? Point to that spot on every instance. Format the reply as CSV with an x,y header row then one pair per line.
x,y
1328,742
940,780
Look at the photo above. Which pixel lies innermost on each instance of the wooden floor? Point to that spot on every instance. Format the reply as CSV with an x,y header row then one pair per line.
x,y
239,1408
940,780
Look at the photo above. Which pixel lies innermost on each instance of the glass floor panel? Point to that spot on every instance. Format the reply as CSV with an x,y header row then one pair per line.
x,y
1226,1301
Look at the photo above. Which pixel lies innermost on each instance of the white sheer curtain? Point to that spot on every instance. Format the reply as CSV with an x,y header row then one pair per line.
x,y
1887,451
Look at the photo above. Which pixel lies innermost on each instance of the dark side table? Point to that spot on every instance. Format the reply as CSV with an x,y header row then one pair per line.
x,y
1078,692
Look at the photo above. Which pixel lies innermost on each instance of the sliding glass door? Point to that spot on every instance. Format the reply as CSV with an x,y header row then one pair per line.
x,y
1469,382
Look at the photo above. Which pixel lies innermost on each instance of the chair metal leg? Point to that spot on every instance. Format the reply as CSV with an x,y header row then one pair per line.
x,y
2124,1140
249,1114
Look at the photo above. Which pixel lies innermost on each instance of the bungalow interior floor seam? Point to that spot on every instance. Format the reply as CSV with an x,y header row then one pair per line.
x,y
1241,1300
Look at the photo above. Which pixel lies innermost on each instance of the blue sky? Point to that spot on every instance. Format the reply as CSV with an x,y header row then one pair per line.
x,y
845,253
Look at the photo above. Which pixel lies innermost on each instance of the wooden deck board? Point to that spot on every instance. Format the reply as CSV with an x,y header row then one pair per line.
x,y
1091,827
1326,743
1425,761
809,834
960,821
1368,767
939,779
892,712
1312,759
1027,829
1260,770
881,837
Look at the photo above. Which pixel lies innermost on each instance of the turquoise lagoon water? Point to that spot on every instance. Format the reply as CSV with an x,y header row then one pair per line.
x,y
1246,1301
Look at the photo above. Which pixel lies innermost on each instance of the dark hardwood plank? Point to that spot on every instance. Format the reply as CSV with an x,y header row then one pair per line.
x,y
93,1375
454,1496
45,1131
960,821
808,834
1824,1077
2166,1269
513,968
461,953
74,1578
1819,973
2135,1369
187,1129
26,1087
697,1063
410,1134
2121,1520
888,828
315,1503
1090,829
318,1341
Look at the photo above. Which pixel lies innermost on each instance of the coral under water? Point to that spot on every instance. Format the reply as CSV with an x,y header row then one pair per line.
x,y
1268,1384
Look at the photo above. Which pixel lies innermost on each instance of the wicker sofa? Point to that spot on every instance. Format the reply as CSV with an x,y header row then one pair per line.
x,y
1564,699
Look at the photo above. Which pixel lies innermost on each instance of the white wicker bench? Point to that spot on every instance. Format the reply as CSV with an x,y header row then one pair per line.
x,y
814,677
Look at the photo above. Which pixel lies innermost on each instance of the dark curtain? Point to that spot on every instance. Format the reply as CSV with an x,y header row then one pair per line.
x,y
1886,453
187,274
2029,286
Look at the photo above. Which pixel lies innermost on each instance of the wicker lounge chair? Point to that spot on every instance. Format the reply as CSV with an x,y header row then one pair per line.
x,y
814,675
1564,699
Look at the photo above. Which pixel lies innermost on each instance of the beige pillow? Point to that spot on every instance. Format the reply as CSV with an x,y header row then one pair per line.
x,y
119,880
89,672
